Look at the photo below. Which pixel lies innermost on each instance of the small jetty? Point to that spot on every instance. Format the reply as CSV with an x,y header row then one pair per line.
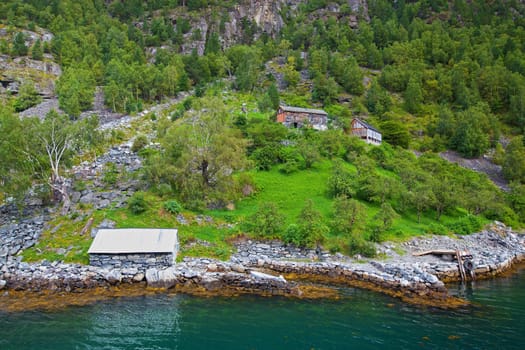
x,y
463,257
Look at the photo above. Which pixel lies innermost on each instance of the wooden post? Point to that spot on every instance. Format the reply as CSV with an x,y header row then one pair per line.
x,y
87,227
460,265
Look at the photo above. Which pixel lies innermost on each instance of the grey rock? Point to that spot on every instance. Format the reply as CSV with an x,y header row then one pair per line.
x,y
114,276
88,198
101,204
152,277
139,277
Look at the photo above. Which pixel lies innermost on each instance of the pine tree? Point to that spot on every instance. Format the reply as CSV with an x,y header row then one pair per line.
x,y
19,45
36,51
413,95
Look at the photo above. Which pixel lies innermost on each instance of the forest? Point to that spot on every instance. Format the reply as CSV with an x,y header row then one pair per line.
x,y
431,75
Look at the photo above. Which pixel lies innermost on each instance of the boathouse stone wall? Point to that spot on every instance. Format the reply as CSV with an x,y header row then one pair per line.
x,y
142,261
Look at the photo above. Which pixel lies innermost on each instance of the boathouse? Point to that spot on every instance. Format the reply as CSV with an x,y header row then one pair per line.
x,y
296,117
134,248
365,131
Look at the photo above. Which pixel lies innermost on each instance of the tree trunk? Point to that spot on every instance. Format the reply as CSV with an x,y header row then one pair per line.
x,y
60,193
204,172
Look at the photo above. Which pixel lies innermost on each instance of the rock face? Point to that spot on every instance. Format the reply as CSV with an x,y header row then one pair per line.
x,y
266,15
14,72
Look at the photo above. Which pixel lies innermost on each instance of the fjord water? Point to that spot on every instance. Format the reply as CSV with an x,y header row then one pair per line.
x,y
359,320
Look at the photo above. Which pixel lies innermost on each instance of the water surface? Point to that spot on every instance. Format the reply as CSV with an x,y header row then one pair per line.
x,y
360,320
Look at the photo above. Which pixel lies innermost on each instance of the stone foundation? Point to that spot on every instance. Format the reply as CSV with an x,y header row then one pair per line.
x,y
141,262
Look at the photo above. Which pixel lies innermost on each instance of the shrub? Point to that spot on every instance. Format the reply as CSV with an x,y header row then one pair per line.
x,y
466,225
357,245
137,203
291,166
111,173
267,221
163,190
172,206
437,229
293,235
265,157
139,143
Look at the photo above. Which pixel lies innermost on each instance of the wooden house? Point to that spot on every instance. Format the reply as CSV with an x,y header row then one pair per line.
x,y
296,117
366,132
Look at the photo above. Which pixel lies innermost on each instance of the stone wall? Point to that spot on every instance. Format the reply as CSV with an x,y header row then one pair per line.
x,y
141,262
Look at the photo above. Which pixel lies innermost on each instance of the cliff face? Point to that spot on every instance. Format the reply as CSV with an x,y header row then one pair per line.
x,y
267,15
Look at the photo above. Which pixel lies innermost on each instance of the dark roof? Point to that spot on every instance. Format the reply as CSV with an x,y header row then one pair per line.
x,y
303,110
368,126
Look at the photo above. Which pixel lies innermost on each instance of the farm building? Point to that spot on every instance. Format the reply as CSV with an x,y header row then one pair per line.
x,y
366,132
138,248
296,117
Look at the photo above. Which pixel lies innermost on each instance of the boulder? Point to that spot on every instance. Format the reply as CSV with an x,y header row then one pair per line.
x,y
264,276
152,277
114,276
2,284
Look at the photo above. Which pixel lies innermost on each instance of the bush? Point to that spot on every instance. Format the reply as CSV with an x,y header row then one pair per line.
x,y
437,229
265,157
111,174
137,203
291,166
267,221
466,225
163,190
172,206
139,143
294,235
358,245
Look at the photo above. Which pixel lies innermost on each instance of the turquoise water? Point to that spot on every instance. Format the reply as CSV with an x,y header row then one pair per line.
x,y
360,320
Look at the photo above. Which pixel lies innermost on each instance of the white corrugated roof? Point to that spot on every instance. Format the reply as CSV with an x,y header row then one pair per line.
x,y
134,240
303,110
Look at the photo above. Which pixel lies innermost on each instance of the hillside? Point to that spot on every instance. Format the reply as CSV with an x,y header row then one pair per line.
x,y
167,108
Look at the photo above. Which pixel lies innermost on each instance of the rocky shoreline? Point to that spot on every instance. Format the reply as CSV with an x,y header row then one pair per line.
x,y
259,267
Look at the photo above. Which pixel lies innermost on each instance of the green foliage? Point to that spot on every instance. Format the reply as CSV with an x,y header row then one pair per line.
x,y
19,47
27,97
514,161
139,143
76,89
437,229
413,95
37,52
349,216
472,136
340,182
137,203
311,228
385,217
466,225
203,151
378,100
172,206
395,133
357,245
517,198
111,174
266,222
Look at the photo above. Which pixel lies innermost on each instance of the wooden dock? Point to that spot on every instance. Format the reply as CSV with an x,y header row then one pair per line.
x,y
463,257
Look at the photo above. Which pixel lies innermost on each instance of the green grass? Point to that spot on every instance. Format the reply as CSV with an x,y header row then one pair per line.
x,y
213,239
64,234
288,191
